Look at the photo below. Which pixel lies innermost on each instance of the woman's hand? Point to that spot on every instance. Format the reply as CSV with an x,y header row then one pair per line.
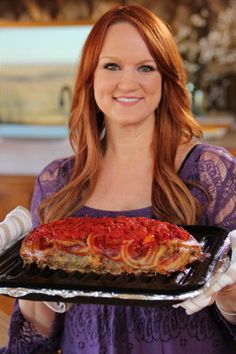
x,y
225,300
222,290
40,316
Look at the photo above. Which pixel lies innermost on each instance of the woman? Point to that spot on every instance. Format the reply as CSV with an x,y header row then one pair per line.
x,y
137,153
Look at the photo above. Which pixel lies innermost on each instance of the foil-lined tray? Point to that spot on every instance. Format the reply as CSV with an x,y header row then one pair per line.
x,y
156,290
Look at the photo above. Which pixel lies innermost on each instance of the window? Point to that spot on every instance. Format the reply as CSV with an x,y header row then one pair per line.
x,y
37,73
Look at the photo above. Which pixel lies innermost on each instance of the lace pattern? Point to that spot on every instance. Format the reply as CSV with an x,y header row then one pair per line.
x,y
24,338
215,170
139,329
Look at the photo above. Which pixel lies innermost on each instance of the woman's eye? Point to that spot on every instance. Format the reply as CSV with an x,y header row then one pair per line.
x,y
146,68
111,66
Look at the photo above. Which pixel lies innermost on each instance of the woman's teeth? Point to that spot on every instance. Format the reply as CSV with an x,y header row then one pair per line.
x,y
127,99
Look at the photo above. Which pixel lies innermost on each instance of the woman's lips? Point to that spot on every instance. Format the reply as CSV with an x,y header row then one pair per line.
x,y
127,101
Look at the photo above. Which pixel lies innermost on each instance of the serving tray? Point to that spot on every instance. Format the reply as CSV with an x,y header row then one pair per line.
x,y
56,285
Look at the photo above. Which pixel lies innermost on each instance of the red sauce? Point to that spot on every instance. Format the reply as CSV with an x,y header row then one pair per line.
x,y
108,234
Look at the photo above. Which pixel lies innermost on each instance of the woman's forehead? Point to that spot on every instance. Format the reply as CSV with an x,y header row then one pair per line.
x,y
123,38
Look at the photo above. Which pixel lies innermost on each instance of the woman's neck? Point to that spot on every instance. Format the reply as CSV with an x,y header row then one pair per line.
x,y
129,144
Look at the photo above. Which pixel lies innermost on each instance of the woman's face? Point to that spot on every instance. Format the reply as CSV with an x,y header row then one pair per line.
x,y
127,83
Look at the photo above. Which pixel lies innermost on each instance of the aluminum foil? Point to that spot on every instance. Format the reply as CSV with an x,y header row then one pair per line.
x,y
68,295
219,268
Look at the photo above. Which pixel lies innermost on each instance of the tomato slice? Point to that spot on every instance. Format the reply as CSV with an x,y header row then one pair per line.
x,y
105,245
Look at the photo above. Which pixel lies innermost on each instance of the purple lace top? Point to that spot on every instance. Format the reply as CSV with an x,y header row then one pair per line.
x,y
110,329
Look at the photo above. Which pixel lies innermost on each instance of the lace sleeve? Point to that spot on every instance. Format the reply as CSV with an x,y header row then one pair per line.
x,y
51,179
36,200
218,176
24,338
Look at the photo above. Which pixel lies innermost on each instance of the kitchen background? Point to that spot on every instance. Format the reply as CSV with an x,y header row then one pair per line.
x,y
40,42
205,32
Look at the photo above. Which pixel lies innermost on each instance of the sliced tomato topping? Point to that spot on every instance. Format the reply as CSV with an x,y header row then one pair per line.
x,y
44,244
138,249
139,242
105,245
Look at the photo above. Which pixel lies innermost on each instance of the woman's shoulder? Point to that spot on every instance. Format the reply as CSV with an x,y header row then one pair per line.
x,y
54,168
211,151
56,174
206,152
205,157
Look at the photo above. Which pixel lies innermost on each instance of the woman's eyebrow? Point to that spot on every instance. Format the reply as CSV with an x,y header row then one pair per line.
x,y
148,60
108,58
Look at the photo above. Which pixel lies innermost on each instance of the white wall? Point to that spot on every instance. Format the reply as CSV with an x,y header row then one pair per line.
x,y
29,157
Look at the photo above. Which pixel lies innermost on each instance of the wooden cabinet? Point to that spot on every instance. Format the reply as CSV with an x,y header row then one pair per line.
x,y
6,304
15,190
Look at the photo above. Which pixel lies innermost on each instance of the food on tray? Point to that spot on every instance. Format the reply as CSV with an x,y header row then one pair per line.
x,y
111,245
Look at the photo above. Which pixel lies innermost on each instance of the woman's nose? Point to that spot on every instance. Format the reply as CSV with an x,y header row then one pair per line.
x,y
128,80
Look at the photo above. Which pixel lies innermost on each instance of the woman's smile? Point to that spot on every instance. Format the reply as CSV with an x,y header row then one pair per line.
x,y
128,101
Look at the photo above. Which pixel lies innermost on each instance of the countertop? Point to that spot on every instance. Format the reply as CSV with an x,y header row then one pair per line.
x,y
228,141
30,156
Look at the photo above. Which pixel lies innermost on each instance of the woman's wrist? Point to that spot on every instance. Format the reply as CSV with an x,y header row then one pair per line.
x,y
228,315
39,315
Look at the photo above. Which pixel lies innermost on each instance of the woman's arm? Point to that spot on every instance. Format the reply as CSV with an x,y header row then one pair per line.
x,y
226,302
219,171
33,325
24,338
39,315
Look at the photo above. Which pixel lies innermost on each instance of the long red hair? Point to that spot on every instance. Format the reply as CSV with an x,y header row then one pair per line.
x,y
171,199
